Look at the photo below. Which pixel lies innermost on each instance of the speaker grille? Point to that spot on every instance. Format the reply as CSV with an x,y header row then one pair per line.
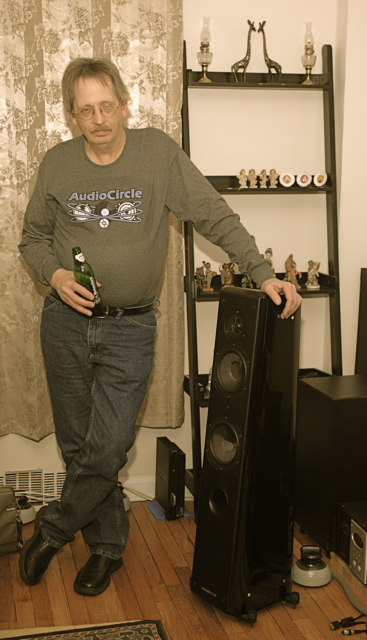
x,y
230,370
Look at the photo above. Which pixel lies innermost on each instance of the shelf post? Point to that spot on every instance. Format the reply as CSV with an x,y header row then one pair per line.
x,y
332,211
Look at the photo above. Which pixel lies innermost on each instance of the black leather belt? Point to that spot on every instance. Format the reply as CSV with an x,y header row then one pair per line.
x,y
112,311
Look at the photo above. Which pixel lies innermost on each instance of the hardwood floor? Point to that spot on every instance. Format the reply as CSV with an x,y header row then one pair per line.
x,y
154,584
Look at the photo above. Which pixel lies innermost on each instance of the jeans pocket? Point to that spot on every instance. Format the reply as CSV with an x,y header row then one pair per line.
x,y
145,320
50,302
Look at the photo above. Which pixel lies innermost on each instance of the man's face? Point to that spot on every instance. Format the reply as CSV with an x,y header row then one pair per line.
x,y
100,131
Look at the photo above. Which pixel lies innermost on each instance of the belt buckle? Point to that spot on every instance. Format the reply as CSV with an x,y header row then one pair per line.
x,y
105,313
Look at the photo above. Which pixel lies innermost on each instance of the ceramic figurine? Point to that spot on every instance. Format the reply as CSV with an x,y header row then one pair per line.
x,y
291,272
269,256
200,275
263,178
246,282
252,178
226,271
242,178
312,275
309,267
208,277
273,177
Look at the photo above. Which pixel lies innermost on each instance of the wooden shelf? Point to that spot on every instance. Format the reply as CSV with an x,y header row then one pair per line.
x,y
327,287
195,384
225,80
228,185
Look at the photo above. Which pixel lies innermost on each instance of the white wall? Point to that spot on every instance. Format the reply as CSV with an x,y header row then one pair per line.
x,y
353,219
232,130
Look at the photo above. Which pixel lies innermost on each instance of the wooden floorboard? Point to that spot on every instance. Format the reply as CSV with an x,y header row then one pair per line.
x,y
154,583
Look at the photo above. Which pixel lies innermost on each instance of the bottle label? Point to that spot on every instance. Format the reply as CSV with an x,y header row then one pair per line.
x,y
80,257
97,299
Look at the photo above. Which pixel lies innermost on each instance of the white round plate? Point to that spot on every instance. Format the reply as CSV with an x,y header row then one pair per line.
x,y
286,179
304,179
320,179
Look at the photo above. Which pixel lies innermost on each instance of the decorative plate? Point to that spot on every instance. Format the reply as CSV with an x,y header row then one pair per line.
x,y
286,179
320,179
304,179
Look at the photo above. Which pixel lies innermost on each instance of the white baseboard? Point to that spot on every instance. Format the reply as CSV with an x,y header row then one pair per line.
x,y
143,488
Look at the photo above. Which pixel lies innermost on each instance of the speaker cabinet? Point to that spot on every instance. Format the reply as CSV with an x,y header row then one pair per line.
x,y
361,350
331,451
244,539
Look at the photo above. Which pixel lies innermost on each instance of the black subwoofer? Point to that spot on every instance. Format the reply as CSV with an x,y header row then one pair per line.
x,y
243,550
331,452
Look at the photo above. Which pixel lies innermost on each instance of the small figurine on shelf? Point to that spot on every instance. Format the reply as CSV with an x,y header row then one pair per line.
x,y
226,271
246,282
291,272
200,275
313,274
263,178
242,179
208,277
269,256
273,177
310,265
252,178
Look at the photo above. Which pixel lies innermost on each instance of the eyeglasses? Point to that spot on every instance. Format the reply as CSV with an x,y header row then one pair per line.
x,y
107,110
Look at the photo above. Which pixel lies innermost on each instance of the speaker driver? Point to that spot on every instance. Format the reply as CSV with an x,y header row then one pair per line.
x,y
218,501
230,370
223,443
235,325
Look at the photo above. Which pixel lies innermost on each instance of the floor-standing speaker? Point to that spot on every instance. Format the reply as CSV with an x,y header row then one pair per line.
x,y
361,350
330,451
243,550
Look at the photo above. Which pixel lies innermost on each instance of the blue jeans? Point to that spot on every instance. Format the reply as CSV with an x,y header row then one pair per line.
x,y
97,372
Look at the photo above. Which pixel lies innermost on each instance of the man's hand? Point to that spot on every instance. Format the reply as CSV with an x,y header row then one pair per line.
x,y
71,292
273,287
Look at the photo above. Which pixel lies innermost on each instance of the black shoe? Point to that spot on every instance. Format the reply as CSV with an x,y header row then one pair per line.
x,y
36,554
95,576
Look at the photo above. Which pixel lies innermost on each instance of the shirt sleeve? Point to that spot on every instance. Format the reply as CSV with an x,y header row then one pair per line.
x,y
191,197
37,241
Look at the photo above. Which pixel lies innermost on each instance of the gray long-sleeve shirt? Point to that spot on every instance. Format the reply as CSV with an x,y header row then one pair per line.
x,y
118,214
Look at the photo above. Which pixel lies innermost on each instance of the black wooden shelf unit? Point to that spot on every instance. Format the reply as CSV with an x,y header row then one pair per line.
x,y
195,384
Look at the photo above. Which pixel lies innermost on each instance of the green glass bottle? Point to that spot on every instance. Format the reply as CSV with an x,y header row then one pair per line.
x,y
84,275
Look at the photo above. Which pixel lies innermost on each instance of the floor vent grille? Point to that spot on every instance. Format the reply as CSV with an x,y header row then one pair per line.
x,y
35,483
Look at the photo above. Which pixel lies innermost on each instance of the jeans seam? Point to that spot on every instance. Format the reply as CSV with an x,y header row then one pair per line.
x,y
86,441
101,552
118,519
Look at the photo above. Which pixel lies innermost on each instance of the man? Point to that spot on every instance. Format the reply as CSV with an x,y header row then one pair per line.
x,y
109,192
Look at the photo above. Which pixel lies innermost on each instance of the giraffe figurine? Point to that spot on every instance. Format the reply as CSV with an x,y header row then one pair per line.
x,y
271,64
243,64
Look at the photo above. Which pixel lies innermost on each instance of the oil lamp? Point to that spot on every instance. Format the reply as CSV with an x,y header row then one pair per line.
x,y
309,58
205,56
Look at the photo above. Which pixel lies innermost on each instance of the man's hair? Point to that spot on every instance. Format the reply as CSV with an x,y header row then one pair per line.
x,y
100,68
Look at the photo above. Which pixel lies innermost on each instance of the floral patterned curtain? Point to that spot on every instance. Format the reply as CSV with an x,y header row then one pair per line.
x,y
38,39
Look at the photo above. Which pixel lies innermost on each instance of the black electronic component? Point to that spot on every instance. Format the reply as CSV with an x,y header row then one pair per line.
x,y
170,478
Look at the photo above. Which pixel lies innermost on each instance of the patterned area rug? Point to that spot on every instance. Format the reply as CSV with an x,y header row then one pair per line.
x,y
139,630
